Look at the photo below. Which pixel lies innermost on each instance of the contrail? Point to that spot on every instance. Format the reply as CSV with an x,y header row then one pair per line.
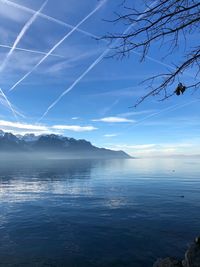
x,y
67,25
99,59
52,19
9,104
29,10
31,51
21,34
57,44
171,108
5,104
75,82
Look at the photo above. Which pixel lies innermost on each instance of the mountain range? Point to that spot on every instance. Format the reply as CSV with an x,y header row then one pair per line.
x,y
52,144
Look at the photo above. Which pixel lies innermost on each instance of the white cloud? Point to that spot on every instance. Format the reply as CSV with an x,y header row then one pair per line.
x,y
18,127
114,119
110,135
75,128
23,126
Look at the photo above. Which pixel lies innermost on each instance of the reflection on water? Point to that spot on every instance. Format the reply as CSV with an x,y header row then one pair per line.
x,y
97,213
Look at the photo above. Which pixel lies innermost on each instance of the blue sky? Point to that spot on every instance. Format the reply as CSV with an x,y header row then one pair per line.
x,y
98,91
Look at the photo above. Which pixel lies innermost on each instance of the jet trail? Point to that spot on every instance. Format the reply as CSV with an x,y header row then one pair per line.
x,y
9,104
67,25
171,108
99,59
30,50
57,44
5,104
75,82
49,18
21,34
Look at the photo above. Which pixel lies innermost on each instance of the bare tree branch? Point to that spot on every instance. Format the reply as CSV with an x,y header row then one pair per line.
x,y
166,23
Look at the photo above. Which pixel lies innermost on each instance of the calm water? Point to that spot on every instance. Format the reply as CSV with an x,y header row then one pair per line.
x,y
97,213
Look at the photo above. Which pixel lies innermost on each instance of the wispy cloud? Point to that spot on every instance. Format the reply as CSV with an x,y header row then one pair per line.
x,y
21,34
137,113
57,63
113,120
110,135
75,128
71,61
59,43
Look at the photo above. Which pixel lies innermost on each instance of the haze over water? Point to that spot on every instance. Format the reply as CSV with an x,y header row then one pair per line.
x,y
97,212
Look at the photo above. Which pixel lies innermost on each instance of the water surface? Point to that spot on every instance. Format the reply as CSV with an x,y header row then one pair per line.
x,y
97,213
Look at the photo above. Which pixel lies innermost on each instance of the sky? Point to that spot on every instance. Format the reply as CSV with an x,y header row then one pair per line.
x,y
56,77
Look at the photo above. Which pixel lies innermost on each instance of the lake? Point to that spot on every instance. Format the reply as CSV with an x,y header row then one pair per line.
x,y
97,213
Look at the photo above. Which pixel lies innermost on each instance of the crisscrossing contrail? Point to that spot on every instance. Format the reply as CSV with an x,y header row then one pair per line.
x,y
49,18
20,35
67,25
99,59
59,43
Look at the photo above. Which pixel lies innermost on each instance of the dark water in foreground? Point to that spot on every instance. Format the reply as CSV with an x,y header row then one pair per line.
x,y
97,213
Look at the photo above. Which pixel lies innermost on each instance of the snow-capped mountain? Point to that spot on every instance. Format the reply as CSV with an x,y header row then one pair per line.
x,y
52,143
